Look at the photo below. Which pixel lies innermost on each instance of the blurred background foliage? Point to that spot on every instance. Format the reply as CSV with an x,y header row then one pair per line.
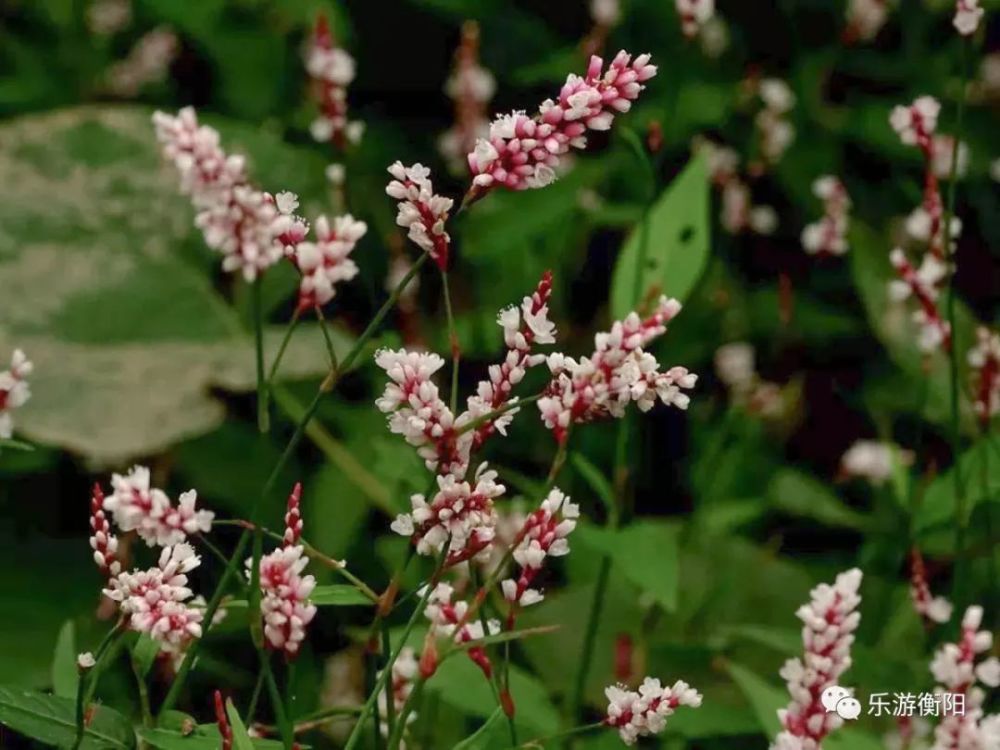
x,y
143,351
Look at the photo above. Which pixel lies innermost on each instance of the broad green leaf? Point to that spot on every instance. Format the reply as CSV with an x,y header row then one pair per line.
x,y
130,335
52,720
338,595
205,737
646,553
980,473
65,676
241,739
480,740
764,698
677,243
801,495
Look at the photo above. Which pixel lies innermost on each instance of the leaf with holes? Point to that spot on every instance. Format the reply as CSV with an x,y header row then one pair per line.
x,y
668,252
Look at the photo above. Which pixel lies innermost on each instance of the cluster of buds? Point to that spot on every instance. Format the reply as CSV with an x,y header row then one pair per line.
x,y
249,227
471,88
136,506
102,540
619,372
873,461
154,600
421,212
968,14
829,621
460,515
454,621
147,62
694,14
544,534
739,214
325,262
955,669
645,712
222,721
931,608
404,673
775,131
984,359
332,70
865,18
285,606
522,152
14,391
828,236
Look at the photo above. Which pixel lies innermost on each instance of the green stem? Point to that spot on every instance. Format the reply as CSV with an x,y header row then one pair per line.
x,y
284,725
88,680
330,351
397,733
140,681
456,351
263,418
255,697
289,330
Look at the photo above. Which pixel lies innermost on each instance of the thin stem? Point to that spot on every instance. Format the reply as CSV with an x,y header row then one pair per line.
x,y
140,682
330,351
390,701
289,330
371,674
589,639
263,418
277,705
88,680
255,697
397,733
456,350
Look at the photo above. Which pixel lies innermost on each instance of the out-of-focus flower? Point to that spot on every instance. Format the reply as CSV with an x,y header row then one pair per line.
x,y
544,534
147,62
865,18
85,661
332,70
922,284
968,14
873,460
829,621
470,87
828,236
14,391
776,132
933,608
154,599
714,37
738,212
102,541
460,514
645,712
619,372
449,620
955,668
605,12
107,17
694,14
522,152
984,359
421,212
148,511
404,674
735,364
326,261
285,605
916,123
942,149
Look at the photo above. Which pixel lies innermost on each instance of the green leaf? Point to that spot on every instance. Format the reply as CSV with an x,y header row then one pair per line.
x,y
241,739
784,641
480,740
144,651
205,737
594,478
338,595
677,244
801,495
980,470
764,698
646,553
65,676
52,720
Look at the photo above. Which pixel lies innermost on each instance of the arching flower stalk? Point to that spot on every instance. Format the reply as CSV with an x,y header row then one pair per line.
x,y
136,506
14,391
471,88
619,372
332,70
828,236
523,152
285,605
644,713
829,621
984,359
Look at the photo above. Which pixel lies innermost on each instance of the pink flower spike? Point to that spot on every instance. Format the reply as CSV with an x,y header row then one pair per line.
x,y
984,359
645,712
293,517
423,213
470,87
102,541
332,70
136,506
285,605
523,152
326,262
14,391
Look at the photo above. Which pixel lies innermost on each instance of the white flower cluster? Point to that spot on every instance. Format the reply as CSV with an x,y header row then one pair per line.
x,y
326,261
617,373
873,460
285,605
154,599
776,132
645,712
460,515
968,15
14,391
544,534
694,14
453,621
955,669
922,284
246,225
828,236
916,123
421,212
865,18
148,511
984,359
829,621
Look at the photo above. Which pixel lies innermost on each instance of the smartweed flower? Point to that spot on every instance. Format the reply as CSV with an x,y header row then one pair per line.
x,y
14,391
645,712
